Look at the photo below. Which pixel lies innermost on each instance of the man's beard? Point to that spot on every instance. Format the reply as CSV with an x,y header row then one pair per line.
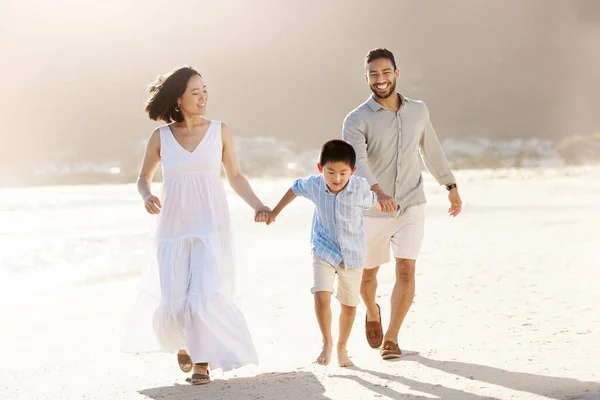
x,y
391,90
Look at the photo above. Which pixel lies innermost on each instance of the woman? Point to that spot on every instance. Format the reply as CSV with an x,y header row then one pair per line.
x,y
193,312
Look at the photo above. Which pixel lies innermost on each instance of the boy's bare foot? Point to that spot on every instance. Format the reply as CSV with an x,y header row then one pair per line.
x,y
343,359
325,355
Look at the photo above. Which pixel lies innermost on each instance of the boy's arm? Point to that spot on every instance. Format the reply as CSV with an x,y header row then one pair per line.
x,y
287,198
369,197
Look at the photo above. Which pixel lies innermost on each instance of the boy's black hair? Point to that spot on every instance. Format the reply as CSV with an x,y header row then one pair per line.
x,y
338,151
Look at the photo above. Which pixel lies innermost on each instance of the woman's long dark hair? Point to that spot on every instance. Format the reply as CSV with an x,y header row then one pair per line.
x,y
165,91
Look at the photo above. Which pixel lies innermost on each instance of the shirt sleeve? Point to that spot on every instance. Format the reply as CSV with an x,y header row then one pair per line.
x,y
368,197
306,187
353,134
433,154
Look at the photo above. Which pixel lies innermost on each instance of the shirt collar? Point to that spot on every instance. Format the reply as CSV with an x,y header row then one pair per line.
x,y
375,106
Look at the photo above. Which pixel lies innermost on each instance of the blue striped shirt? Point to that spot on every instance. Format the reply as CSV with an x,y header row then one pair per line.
x,y
338,229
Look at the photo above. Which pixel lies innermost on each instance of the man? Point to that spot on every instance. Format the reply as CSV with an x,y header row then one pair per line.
x,y
388,132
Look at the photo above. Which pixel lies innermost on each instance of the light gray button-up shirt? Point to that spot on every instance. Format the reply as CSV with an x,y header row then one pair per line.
x,y
388,145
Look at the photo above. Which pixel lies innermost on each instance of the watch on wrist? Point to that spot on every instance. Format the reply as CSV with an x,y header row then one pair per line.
x,y
451,186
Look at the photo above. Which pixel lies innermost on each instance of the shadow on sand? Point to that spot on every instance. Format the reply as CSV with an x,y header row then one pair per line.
x,y
542,385
287,385
386,392
305,385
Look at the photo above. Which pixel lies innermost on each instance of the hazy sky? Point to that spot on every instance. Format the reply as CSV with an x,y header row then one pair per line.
x,y
75,71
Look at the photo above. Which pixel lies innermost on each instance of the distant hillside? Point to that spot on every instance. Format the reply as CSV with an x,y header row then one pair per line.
x,y
292,70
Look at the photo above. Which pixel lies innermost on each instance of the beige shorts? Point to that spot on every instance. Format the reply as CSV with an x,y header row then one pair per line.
x,y
405,233
348,288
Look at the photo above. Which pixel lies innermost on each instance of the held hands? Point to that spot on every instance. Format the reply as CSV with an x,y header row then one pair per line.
x,y
265,215
388,203
455,203
152,204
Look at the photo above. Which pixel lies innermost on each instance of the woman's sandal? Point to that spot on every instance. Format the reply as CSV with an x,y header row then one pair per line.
x,y
200,379
185,362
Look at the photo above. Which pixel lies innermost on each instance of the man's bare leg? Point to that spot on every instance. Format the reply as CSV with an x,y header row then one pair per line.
x,y
368,292
323,312
402,297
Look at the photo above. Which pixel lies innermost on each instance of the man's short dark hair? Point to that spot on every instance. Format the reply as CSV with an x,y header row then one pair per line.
x,y
338,151
376,54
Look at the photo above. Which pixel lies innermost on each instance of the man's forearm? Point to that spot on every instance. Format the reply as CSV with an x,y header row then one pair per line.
x,y
377,189
434,157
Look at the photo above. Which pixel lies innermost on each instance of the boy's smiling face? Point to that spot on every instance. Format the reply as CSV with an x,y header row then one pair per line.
x,y
336,174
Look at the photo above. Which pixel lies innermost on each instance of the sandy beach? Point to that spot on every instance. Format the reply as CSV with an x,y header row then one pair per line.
x,y
506,304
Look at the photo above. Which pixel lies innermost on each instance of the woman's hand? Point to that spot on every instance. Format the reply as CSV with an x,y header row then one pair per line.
x,y
263,214
152,204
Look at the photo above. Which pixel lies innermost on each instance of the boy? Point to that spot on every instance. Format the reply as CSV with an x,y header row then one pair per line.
x,y
338,241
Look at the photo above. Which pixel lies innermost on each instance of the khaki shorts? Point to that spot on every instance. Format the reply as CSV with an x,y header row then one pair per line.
x,y
348,289
405,233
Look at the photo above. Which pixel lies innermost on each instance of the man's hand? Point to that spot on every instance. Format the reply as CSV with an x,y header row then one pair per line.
x,y
455,203
388,203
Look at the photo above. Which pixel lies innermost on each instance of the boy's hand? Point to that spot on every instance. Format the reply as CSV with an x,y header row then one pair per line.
x,y
388,203
270,217
263,215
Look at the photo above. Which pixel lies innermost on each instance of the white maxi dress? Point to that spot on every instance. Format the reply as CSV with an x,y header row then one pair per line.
x,y
187,297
